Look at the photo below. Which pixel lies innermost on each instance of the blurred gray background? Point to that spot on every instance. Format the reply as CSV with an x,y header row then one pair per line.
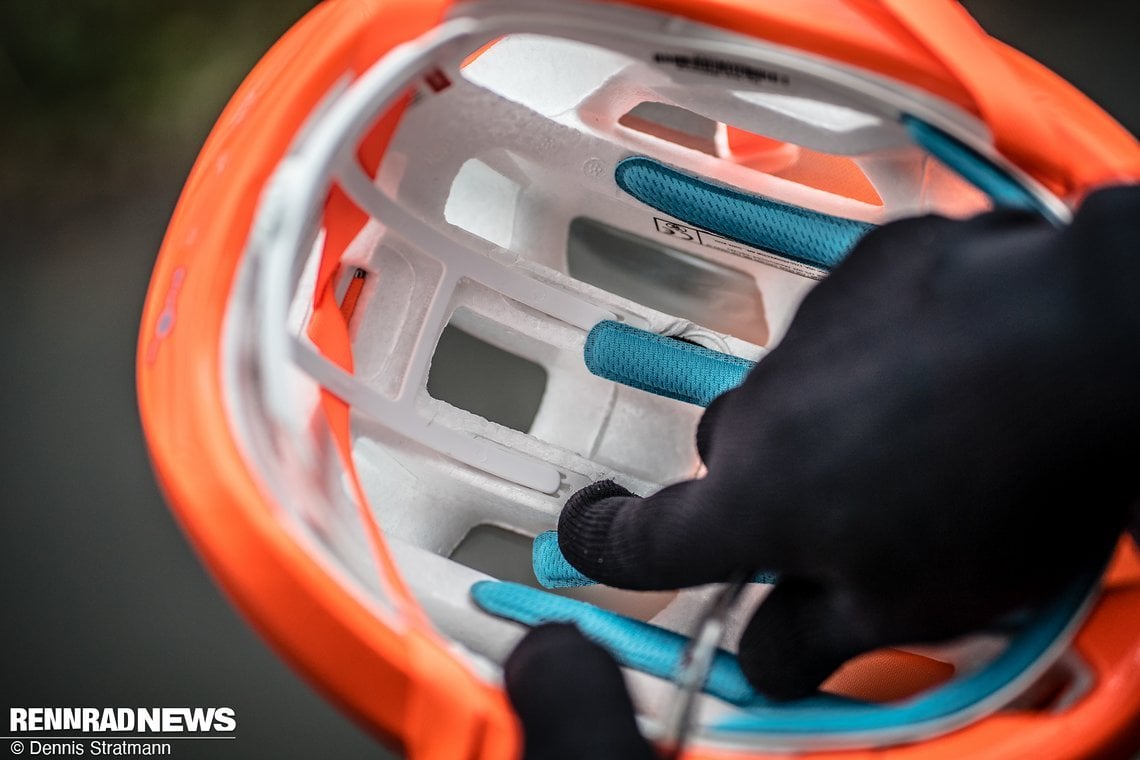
x,y
103,106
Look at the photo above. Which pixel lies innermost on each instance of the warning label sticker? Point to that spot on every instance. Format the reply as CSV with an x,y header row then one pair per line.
x,y
679,231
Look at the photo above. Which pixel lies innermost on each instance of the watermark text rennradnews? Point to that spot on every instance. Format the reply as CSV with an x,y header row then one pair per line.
x,y
114,731
118,719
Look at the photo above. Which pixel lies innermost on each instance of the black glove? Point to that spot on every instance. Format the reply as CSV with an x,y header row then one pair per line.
x,y
570,697
949,431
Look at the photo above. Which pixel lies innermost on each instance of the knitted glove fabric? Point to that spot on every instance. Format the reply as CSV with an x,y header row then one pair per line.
x,y
570,697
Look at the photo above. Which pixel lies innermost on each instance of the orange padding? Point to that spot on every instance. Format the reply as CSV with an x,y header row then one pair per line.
x,y
823,171
835,174
886,675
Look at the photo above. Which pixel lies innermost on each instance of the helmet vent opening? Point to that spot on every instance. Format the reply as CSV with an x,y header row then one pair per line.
x,y
675,124
505,388
668,279
498,552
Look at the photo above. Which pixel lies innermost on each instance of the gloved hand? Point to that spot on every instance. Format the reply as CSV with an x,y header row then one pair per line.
x,y
949,431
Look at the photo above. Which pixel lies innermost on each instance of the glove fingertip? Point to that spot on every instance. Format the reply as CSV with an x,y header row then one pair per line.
x,y
584,525
579,509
